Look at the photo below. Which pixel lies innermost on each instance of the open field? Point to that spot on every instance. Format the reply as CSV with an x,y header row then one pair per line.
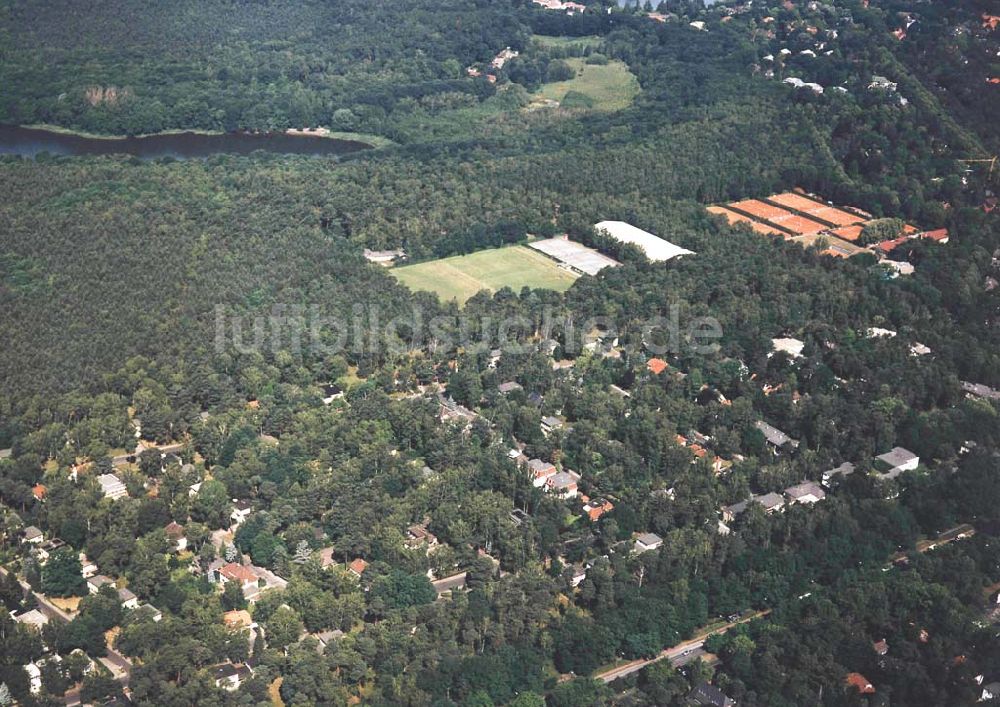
x,y
461,276
589,41
609,87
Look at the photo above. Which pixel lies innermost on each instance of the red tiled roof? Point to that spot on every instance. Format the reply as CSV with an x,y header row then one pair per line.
x,y
889,246
239,573
860,682
939,235
39,491
656,365
358,566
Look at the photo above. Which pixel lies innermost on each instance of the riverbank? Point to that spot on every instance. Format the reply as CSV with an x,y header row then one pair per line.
x,y
374,141
60,130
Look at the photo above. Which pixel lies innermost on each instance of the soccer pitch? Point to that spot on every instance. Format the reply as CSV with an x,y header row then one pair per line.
x,y
461,276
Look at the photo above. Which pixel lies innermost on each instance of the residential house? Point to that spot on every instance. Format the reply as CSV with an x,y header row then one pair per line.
x,y
175,533
792,347
647,541
775,437
97,581
148,611
229,676
6,453
579,573
88,568
978,390
509,387
39,491
896,461
807,492
33,618
112,487
450,411
325,638
128,599
45,549
518,516
563,484
34,677
732,512
243,575
771,502
596,507
238,619
550,423
326,557
991,691
384,257
32,535
241,511
656,366
709,696
845,469
419,536
881,647
540,471
860,683
357,567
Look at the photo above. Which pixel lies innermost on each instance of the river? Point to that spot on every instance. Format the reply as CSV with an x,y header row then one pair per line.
x,y
29,142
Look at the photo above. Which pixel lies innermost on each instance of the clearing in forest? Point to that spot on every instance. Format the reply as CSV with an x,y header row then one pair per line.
x,y
606,87
461,276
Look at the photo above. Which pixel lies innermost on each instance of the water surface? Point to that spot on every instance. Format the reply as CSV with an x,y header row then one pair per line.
x,y
28,142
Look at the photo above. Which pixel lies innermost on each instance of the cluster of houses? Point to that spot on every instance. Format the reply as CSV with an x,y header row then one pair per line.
x,y
546,476
695,443
805,493
570,8
888,466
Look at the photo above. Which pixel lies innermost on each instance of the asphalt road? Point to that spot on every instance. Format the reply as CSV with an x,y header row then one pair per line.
x,y
119,665
681,654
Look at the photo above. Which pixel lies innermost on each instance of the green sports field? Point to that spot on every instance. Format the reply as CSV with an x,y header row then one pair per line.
x,y
462,276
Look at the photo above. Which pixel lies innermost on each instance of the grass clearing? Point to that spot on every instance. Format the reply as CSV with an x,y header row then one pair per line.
x,y
461,276
587,42
609,87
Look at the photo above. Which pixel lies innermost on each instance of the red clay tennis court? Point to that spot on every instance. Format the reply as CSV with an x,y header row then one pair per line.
x,y
733,218
759,209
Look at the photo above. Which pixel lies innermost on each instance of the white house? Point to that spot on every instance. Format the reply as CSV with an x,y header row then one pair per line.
x,y
647,542
563,484
896,461
97,581
787,345
112,486
128,599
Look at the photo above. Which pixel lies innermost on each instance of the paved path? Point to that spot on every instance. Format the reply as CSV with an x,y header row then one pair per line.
x,y
678,655
119,665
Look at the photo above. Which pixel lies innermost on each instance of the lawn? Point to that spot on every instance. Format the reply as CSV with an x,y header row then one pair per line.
x,y
461,276
608,87
589,41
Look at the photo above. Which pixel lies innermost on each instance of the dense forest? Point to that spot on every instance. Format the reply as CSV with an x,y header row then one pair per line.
x,y
315,466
